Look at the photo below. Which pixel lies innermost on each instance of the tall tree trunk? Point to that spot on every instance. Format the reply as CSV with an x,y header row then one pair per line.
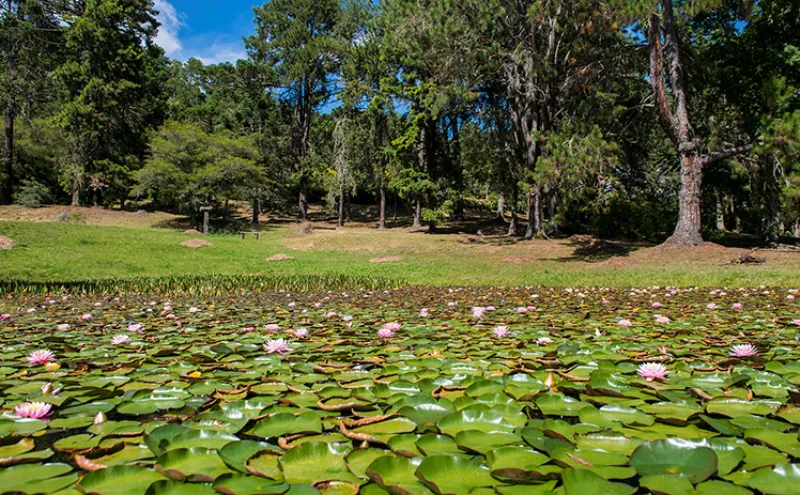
x,y
501,207
676,124
340,222
417,214
688,232
720,211
8,158
551,211
302,199
382,219
534,212
77,181
256,210
512,227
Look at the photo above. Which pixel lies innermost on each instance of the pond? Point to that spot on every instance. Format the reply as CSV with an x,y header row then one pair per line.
x,y
412,391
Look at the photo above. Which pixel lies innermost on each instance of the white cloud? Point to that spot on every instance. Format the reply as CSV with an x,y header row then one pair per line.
x,y
221,52
171,22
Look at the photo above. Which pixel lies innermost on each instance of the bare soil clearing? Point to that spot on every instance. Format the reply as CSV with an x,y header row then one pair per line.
x,y
196,243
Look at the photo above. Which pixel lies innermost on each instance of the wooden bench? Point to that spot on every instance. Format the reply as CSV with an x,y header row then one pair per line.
x,y
255,234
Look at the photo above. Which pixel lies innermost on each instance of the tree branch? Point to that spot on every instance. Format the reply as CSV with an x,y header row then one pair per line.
x,y
657,79
727,153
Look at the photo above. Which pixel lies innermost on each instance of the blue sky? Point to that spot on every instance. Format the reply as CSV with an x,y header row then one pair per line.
x,y
210,30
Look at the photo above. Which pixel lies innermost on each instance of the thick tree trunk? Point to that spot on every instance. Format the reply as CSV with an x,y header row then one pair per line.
x,y
534,212
382,219
8,159
303,198
417,214
501,207
688,232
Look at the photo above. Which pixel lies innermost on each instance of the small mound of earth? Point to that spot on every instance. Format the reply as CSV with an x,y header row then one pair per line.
x,y
579,239
196,243
6,243
280,257
472,239
142,213
386,259
192,232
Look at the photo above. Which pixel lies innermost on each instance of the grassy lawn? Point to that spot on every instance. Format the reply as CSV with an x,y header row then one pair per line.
x,y
68,252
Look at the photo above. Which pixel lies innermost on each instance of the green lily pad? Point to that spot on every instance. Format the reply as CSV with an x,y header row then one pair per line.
x,y
674,457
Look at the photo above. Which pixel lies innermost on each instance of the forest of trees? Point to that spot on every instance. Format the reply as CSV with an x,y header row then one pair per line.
x,y
658,120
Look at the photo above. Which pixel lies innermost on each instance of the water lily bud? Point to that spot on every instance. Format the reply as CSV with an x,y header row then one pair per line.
x,y
100,417
47,389
550,382
52,366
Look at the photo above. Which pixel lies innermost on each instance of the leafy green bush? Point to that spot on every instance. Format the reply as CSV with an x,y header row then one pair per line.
x,y
33,194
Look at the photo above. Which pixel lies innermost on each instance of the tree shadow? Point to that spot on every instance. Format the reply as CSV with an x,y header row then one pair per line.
x,y
598,250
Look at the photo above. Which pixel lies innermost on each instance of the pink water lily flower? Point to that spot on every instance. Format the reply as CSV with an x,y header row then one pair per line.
x,y
136,328
5,317
743,350
662,320
292,304
790,297
34,410
301,333
652,371
331,314
347,318
424,313
624,323
120,339
522,310
385,333
37,358
62,327
317,304
656,305
662,349
193,310
272,327
796,322
248,329
276,346
86,317
736,306
392,327
501,331
451,304
544,340
478,312
711,306
531,308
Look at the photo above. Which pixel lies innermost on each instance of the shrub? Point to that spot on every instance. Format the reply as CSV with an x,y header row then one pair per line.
x,y
33,194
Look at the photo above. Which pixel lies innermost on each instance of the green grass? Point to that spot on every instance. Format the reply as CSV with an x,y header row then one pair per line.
x,y
68,252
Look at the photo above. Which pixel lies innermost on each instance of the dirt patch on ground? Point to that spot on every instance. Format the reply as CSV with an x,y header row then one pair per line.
x,y
518,259
88,215
472,239
196,243
386,259
192,232
280,257
6,243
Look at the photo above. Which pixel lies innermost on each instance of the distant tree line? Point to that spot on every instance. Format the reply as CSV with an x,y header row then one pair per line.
x,y
630,118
